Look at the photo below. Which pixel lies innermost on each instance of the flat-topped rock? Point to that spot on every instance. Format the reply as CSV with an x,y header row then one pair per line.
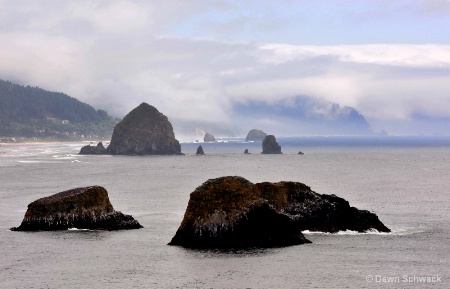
x,y
230,212
82,208
144,131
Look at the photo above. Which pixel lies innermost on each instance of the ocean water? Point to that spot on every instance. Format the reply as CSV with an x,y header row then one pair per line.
x,y
405,181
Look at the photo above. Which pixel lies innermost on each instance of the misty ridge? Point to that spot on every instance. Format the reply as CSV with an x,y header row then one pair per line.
x,y
35,112
296,116
32,112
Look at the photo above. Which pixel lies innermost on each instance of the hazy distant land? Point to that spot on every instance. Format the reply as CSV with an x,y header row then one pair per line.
x,y
32,113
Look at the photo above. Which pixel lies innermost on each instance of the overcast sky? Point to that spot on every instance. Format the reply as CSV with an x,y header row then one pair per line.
x,y
193,59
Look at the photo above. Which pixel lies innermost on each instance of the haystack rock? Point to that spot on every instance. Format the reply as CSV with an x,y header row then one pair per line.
x,y
199,150
231,212
255,135
209,138
99,149
81,208
270,145
144,131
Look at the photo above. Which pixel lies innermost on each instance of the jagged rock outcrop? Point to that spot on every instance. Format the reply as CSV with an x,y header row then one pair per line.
x,y
199,150
255,135
144,131
82,208
270,145
209,138
319,212
233,212
99,149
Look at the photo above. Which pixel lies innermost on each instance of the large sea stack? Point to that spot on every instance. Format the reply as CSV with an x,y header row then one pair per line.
x,y
144,131
209,138
231,212
270,145
255,135
82,208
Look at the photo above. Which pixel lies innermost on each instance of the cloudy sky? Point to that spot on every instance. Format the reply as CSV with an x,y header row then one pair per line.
x,y
193,59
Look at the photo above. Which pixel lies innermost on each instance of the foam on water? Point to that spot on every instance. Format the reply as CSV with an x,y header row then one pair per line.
x,y
394,232
65,157
30,162
76,229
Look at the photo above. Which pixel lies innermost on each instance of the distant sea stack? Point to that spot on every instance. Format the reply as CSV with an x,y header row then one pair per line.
x,y
255,135
144,131
81,208
232,212
209,138
270,145
99,149
200,151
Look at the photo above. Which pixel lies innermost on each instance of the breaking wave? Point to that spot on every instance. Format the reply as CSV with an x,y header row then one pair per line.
x,y
394,232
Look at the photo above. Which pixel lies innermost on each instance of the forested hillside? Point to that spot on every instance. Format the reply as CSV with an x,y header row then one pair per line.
x,y
32,112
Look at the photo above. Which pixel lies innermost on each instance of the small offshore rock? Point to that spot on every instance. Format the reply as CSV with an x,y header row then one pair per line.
x,y
300,153
199,150
270,145
81,208
246,151
99,149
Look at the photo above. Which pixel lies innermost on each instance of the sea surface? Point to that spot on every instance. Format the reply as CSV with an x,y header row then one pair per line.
x,y
405,181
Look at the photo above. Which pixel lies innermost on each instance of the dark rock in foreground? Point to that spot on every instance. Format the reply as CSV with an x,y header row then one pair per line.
x,y
99,149
199,150
81,208
319,212
270,145
209,138
231,212
255,135
246,151
144,131
300,153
